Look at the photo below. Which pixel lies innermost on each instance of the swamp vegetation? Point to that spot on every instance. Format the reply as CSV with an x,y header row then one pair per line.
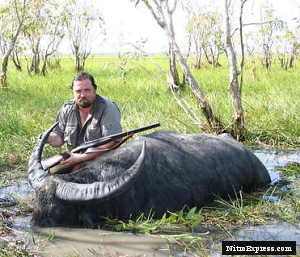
x,y
272,110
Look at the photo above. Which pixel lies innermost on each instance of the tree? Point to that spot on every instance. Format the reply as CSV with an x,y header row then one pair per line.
x,y
205,29
54,34
15,56
212,37
174,77
44,33
162,11
268,26
288,46
84,28
12,19
196,32
235,85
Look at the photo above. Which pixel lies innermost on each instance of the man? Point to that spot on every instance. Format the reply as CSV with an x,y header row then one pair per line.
x,y
87,117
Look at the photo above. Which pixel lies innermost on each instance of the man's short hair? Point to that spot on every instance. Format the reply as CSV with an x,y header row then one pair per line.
x,y
83,76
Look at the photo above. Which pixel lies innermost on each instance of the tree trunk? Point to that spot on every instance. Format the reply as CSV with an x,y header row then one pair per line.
x,y
11,48
206,55
35,63
16,61
44,66
198,57
214,123
291,62
234,86
292,57
175,85
3,75
5,61
77,63
6,58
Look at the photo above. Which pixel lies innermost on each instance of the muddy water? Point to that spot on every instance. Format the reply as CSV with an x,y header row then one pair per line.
x,y
67,242
87,242
61,242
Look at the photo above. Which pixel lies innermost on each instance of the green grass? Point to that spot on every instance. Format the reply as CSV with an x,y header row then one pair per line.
x,y
293,169
29,103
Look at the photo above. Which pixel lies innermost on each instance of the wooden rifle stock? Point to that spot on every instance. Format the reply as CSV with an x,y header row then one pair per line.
x,y
56,159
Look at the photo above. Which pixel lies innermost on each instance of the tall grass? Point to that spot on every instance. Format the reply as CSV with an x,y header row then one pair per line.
x,y
29,103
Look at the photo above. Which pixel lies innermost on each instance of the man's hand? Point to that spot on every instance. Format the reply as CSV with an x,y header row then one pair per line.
x,y
74,159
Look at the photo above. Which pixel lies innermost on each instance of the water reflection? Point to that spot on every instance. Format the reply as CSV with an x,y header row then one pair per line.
x,y
9,196
273,159
22,189
273,232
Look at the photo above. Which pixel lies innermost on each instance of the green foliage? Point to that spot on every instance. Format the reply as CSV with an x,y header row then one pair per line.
x,y
182,220
4,10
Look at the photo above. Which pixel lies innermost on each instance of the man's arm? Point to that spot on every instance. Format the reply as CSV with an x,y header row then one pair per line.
x,y
55,140
76,158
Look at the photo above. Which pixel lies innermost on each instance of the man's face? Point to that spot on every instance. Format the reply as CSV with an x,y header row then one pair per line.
x,y
84,93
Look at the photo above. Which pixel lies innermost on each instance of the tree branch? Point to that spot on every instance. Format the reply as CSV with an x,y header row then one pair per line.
x,y
171,10
156,17
253,24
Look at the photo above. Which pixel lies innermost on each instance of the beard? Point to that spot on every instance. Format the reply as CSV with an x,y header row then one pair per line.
x,y
84,103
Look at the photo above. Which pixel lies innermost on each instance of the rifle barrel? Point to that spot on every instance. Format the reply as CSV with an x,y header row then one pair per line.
x,y
107,139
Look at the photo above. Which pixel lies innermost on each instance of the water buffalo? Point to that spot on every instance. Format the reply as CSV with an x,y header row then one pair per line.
x,y
160,172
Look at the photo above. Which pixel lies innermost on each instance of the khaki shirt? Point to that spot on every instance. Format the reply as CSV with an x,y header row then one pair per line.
x,y
104,120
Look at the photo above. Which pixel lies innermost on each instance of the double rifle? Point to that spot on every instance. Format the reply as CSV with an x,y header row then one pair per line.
x,y
56,159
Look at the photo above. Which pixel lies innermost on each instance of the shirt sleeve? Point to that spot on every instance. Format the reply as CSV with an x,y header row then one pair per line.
x,y
111,120
60,118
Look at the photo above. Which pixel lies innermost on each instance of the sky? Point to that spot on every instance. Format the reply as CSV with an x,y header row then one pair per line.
x,y
127,24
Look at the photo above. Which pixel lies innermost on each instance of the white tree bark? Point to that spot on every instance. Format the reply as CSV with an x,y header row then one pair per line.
x,y
234,85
